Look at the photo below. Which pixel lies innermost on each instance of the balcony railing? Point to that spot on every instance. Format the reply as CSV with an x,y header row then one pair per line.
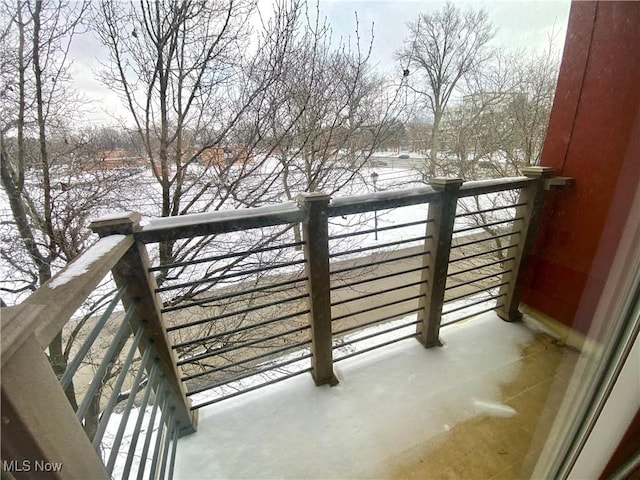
x,y
301,287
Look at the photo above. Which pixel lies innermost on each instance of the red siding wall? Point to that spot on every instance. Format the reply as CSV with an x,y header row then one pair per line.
x,y
593,136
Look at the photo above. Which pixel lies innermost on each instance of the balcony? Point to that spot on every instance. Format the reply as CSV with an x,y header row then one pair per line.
x,y
478,407
344,302
233,343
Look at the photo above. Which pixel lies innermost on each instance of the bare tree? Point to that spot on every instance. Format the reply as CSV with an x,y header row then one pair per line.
x,y
29,44
180,68
519,128
500,127
501,123
51,193
441,49
195,84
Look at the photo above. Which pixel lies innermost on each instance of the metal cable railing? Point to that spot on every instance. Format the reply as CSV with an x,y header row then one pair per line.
x,y
360,276
288,300
365,289
251,310
475,264
115,376
226,334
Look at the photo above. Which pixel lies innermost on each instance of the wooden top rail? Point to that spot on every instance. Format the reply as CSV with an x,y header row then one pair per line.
x,y
413,196
381,200
481,187
48,309
186,226
195,225
18,323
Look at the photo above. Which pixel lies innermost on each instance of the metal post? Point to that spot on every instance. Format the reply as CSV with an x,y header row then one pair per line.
x,y
133,269
441,218
521,244
316,251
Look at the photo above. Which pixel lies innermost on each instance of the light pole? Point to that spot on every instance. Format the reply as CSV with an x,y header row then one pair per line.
x,y
374,180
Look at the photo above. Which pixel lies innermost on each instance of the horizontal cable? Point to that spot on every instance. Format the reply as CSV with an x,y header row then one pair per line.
x,y
236,312
382,245
203,301
480,267
475,292
380,277
488,224
270,353
379,229
377,321
372,294
379,262
377,307
226,256
374,347
475,280
375,334
240,329
220,351
471,315
204,281
486,239
250,389
479,254
478,302
249,374
487,210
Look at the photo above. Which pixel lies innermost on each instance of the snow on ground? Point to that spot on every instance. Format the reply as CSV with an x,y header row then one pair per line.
x,y
388,402
144,193
143,441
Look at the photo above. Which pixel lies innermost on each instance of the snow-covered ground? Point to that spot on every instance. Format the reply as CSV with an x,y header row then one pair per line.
x,y
142,194
388,402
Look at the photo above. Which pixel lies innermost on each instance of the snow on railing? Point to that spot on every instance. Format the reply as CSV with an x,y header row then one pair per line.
x,y
84,373
250,312
266,294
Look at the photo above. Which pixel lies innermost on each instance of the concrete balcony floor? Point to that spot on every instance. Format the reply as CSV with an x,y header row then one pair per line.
x,y
481,406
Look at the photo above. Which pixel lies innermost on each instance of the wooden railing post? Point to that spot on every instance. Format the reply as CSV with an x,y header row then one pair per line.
x,y
315,229
41,436
441,218
528,214
133,269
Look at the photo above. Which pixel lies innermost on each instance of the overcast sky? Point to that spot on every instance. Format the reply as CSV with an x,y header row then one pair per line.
x,y
519,25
